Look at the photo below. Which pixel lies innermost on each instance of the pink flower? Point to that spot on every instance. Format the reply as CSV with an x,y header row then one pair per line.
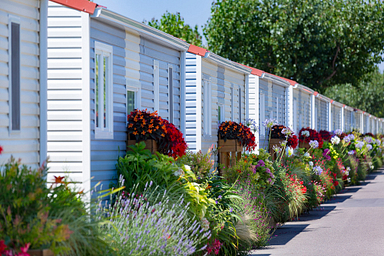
x,y
2,246
24,250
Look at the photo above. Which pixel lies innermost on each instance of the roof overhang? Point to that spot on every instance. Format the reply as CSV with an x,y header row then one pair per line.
x,y
80,5
275,79
141,28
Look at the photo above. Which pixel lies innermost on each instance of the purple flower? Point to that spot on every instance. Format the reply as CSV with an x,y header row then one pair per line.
x,y
261,163
326,154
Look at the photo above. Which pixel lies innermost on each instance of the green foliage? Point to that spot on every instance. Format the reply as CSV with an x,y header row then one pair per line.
x,y
316,43
175,25
367,95
200,163
25,215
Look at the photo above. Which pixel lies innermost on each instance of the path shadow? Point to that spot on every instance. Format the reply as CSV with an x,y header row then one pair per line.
x,y
316,214
337,199
350,190
284,234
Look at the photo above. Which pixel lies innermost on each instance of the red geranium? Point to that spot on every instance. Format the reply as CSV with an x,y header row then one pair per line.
x,y
326,135
293,141
313,135
232,130
1,150
144,125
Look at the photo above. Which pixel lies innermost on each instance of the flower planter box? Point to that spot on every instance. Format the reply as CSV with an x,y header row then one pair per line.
x,y
45,252
274,142
229,152
151,145
304,145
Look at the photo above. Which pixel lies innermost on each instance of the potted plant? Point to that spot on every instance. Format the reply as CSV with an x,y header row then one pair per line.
x,y
158,134
232,138
306,135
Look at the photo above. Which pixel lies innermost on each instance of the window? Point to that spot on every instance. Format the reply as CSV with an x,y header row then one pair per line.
x,y
220,113
207,107
170,93
103,91
232,104
240,112
133,98
14,74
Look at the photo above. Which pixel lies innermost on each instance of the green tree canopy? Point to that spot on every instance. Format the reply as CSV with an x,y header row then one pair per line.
x,y
368,95
318,43
174,24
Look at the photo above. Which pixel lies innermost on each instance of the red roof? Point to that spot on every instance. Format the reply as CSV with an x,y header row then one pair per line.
x,y
197,50
80,5
254,71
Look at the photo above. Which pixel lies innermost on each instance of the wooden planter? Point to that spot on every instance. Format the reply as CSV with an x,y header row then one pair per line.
x,y
304,145
151,145
44,252
274,142
229,152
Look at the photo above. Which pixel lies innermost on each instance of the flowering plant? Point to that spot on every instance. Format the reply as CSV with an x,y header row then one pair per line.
x,y
326,135
284,133
233,130
312,136
144,125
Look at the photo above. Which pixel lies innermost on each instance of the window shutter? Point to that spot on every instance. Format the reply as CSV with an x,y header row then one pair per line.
x,y
15,77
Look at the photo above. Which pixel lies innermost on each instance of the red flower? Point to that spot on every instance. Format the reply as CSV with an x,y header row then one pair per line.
x,y
325,135
293,141
2,246
313,135
233,130
1,149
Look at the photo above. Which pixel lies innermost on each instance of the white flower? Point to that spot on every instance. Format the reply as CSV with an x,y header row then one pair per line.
x,y
179,173
283,144
305,133
317,170
276,148
204,223
372,167
338,132
287,131
187,167
359,144
378,142
335,140
307,155
368,139
311,163
314,144
289,151
268,123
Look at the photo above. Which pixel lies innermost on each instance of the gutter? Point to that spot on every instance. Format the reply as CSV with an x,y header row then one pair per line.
x,y
275,79
102,13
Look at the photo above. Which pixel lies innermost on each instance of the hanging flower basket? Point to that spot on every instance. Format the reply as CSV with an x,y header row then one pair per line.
x,y
44,252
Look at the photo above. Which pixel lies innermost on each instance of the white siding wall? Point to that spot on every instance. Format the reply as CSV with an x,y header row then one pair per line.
x,y
302,110
254,102
272,104
321,115
191,102
133,65
68,81
23,144
336,117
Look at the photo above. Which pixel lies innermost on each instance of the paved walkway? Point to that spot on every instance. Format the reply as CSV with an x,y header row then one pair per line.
x,y
352,223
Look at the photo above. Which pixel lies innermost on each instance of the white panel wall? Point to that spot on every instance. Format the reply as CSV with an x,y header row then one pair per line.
x,y
68,94
23,144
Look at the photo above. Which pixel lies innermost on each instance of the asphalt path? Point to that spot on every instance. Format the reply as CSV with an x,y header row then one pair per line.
x,y
351,223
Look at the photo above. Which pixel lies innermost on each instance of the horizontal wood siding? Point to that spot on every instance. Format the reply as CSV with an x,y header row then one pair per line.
x,y
321,115
191,103
302,110
23,144
336,117
65,95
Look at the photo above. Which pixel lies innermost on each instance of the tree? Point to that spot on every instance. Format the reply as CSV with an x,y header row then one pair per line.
x,y
368,95
174,24
318,43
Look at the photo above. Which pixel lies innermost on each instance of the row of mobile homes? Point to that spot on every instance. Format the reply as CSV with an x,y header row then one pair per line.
x,y
216,90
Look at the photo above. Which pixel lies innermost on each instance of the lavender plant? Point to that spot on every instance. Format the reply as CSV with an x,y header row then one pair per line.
x,y
148,224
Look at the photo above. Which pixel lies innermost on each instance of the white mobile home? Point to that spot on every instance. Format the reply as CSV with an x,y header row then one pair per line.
x,y
302,107
336,110
100,68
216,91
321,112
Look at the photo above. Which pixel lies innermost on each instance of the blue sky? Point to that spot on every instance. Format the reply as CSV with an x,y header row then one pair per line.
x,y
193,11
